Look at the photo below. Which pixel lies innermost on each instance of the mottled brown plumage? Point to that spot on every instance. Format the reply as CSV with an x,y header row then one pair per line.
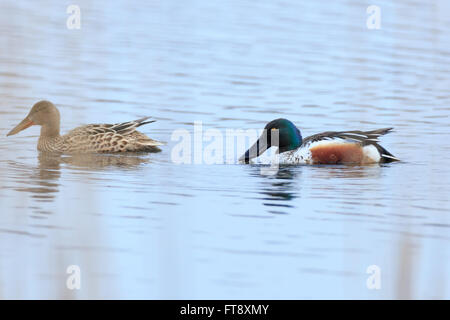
x,y
92,138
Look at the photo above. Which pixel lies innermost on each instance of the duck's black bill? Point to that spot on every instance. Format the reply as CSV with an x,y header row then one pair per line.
x,y
257,149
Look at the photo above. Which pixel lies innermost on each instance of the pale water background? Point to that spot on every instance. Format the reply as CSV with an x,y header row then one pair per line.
x,y
143,227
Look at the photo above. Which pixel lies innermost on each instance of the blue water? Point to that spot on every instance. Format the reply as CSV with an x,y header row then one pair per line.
x,y
141,226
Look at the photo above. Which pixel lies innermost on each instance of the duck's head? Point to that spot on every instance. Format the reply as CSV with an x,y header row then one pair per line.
x,y
281,133
44,114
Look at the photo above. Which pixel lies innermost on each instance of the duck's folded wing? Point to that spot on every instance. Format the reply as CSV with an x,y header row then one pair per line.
x,y
125,128
112,137
364,137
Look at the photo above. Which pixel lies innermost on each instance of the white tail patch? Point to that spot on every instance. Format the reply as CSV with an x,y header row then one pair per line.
x,y
371,154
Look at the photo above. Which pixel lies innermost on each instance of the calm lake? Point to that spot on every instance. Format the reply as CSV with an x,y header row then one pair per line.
x,y
141,226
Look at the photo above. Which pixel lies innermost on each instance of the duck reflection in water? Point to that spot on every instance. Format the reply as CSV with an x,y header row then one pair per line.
x,y
279,188
42,181
95,161
353,172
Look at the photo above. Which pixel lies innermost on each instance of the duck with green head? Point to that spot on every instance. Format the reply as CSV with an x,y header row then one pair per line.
x,y
331,147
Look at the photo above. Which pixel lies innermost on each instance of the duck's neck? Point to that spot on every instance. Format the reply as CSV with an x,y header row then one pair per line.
x,y
48,141
49,131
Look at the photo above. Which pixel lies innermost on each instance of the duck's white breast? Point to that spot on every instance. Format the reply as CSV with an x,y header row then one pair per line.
x,y
301,155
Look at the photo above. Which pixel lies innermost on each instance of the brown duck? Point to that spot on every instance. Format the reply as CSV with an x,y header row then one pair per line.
x,y
91,138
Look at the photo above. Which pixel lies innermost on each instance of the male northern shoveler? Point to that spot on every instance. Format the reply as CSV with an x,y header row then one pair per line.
x,y
332,147
91,138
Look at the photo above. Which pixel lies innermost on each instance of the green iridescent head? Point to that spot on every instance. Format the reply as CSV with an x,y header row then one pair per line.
x,y
281,133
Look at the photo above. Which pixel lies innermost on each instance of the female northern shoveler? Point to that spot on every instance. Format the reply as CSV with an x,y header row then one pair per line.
x,y
343,147
107,138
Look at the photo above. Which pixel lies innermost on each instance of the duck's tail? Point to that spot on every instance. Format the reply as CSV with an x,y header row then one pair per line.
x,y
373,136
386,156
